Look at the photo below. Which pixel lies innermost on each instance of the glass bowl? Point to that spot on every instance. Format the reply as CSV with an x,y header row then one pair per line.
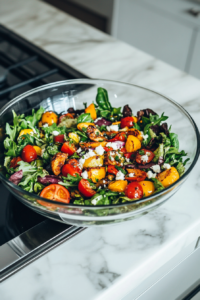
x,y
59,96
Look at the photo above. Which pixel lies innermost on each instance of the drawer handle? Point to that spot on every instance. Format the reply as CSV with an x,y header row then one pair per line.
x,y
193,12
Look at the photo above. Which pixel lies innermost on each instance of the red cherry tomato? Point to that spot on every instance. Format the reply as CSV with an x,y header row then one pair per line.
x,y
54,192
65,115
112,170
149,153
123,150
28,154
127,122
134,190
85,189
119,137
59,138
69,169
129,155
108,149
139,175
14,162
69,148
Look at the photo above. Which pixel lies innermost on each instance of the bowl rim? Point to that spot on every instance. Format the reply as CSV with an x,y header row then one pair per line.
x,y
95,81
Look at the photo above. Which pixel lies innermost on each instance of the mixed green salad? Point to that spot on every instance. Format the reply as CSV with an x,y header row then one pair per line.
x,y
99,155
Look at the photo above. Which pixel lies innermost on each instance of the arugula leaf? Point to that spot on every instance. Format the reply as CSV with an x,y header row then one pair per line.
x,y
180,168
53,127
75,155
11,132
158,152
52,150
158,185
165,140
152,133
36,116
102,99
85,118
71,180
174,140
137,126
12,148
120,169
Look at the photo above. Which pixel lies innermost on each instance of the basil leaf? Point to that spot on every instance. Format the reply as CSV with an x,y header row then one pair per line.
x,y
85,118
102,99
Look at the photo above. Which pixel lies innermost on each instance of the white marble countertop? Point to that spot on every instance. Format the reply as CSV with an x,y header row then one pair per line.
x,y
109,262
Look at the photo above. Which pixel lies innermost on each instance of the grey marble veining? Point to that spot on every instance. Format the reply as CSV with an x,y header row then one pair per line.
x,y
106,263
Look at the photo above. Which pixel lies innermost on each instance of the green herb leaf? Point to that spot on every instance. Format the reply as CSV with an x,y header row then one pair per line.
x,y
174,140
158,185
85,118
36,116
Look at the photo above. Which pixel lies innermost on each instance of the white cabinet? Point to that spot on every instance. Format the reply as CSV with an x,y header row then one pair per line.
x,y
154,32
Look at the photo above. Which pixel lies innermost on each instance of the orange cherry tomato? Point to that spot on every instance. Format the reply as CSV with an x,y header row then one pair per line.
x,y
127,122
69,169
139,175
69,148
14,162
74,162
134,190
112,170
85,189
54,192
59,138
63,116
28,154
149,153
119,137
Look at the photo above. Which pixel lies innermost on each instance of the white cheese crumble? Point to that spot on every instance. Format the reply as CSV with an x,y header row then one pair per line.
x,y
79,150
94,201
127,159
131,174
114,145
145,136
84,174
119,176
113,128
151,175
166,166
45,125
55,132
156,168
86,156
99,150
97,120
144,158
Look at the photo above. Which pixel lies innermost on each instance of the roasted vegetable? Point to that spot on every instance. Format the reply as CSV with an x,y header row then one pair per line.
x,y
94,161
83,126
132,144
58,162
136,133
74,136
94,134
92,144
114,158
148,188
136,175
49,118
118,186
97,173
92,111
168,177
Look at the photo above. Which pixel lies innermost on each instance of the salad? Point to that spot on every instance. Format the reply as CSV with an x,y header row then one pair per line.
x,y
99,155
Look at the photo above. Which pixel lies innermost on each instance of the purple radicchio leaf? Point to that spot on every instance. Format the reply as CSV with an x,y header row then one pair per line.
x,y
49,179
147,166
160,128
146,113
127,111
16,177
160,160
102,121
131,166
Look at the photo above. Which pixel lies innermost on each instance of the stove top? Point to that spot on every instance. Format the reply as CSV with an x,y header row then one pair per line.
x,y
24,234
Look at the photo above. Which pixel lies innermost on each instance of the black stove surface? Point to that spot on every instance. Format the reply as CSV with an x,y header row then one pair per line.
x,y
23,67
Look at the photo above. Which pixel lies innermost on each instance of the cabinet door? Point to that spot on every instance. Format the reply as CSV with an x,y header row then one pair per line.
x,y
195,62
154,33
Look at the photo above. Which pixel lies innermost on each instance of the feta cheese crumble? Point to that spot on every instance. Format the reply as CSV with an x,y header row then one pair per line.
x,y
115,145
144,158
151,175
145,136
79,150
127,159
156,168
119,176
131,174
45,125
99,150
86,156
84,174
166,166
55,132
112,128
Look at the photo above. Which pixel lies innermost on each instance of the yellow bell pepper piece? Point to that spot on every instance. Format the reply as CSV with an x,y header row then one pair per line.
x,y
148,188
92,111
38,150
132,144
118,186
75,137
168,177
80,126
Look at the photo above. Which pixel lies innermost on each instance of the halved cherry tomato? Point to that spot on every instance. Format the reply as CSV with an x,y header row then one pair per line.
x,y
74,162
59,138
65,115
127,122
139,175
28,154
108,149
69,169
54,192
134,190
69,148
85,188
149,153
14,162
129,155
123,150
119,137
112,170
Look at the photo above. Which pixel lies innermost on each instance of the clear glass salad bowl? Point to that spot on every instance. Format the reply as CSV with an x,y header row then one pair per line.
x,y
59,96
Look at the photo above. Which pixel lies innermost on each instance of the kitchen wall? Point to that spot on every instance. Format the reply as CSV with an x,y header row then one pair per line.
x,y
166,29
